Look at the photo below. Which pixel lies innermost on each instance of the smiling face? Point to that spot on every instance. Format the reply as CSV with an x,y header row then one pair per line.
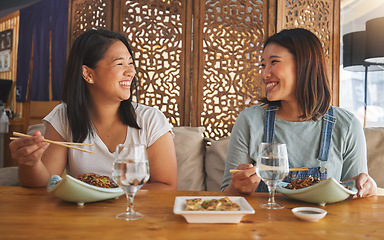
x,y
279,73
111,78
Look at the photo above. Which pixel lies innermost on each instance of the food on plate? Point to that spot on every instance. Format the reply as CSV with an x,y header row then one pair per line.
x,y
222,204
97,180
298,184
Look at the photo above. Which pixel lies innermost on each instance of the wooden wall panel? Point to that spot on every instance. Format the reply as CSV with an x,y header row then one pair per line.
x,y
159,39
12,22
88,14
230,36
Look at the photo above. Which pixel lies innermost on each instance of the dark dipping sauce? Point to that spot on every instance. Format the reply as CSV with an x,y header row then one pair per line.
x,y
309,212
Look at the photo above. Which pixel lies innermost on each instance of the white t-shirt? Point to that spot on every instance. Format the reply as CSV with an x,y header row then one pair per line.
x,y
153,125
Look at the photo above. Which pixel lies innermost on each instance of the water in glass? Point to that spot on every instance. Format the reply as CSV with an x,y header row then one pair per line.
x,y
130,172
272,167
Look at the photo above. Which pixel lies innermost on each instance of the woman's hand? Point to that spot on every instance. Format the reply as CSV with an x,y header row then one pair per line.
x,y
37,161
366,185
245,181
28,151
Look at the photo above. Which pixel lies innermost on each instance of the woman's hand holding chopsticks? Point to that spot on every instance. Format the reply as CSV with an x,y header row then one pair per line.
x,y
64,144
244,179
28,151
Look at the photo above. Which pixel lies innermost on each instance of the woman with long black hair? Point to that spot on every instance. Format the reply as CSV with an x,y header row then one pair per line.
x,y
97,108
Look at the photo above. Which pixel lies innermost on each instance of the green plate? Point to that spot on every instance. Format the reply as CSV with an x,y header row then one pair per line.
x,y
328,191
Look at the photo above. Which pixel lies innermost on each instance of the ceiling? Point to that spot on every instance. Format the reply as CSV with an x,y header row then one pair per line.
x,y
10,6
355,13
360,10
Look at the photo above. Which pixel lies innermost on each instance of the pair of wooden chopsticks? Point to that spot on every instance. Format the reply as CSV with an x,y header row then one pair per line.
x,y
291,170
64,144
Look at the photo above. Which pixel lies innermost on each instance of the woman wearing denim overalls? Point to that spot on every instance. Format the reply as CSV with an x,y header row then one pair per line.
x,y
329,141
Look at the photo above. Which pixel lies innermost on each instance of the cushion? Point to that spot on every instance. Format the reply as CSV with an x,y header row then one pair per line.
x,y
215,157
190,151
32,129
9,176
375,153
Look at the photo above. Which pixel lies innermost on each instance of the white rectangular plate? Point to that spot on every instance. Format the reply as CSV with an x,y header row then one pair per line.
x,y
212,216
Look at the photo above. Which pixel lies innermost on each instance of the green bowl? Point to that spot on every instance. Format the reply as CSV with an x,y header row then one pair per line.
x,y
71,189
328,191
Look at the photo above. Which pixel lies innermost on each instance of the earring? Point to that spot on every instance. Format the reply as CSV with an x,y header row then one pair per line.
x,y
90,80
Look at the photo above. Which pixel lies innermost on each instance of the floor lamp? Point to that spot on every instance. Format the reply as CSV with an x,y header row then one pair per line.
x,y
374,43
354,60
374,48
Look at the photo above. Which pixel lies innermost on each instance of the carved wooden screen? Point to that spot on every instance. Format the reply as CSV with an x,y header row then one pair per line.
x,y
322,18
198,60
88,14
227,62
157,32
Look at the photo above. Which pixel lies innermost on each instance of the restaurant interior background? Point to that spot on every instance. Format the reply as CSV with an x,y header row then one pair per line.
x,y
223,83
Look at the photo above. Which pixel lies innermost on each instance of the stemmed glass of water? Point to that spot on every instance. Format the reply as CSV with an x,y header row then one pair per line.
x,y
130,172
272,167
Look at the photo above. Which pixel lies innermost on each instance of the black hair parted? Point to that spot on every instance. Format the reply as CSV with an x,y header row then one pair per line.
x,y
88,49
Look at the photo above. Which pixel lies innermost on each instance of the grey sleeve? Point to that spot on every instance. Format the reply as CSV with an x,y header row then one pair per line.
x,y
355,152
238,149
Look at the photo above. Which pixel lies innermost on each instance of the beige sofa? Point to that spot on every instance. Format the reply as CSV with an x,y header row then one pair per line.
x,y
201,160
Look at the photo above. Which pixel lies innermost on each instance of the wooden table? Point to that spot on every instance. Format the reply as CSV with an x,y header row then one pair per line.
x,y
35,214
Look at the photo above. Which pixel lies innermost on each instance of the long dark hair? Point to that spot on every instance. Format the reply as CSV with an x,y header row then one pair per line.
x,y
312,83
88,49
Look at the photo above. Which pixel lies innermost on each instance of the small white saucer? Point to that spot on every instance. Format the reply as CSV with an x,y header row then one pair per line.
x,y
309,214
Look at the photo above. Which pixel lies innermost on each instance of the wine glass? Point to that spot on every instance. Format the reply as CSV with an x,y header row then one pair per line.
x,y
130,172
272,167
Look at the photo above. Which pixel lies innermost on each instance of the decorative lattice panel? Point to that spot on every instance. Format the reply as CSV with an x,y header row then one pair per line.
x,y
156,30
316,16
88,14
232,35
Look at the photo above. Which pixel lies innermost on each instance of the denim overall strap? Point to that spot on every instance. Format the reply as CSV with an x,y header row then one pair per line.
x,y
328,122
269,126
325,143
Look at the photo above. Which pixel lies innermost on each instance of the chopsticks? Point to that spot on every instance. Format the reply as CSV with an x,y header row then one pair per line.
x,y
64,144
298,169
291,170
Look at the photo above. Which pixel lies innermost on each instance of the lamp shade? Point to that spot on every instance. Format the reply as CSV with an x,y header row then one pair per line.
x,y
354,52
374,52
